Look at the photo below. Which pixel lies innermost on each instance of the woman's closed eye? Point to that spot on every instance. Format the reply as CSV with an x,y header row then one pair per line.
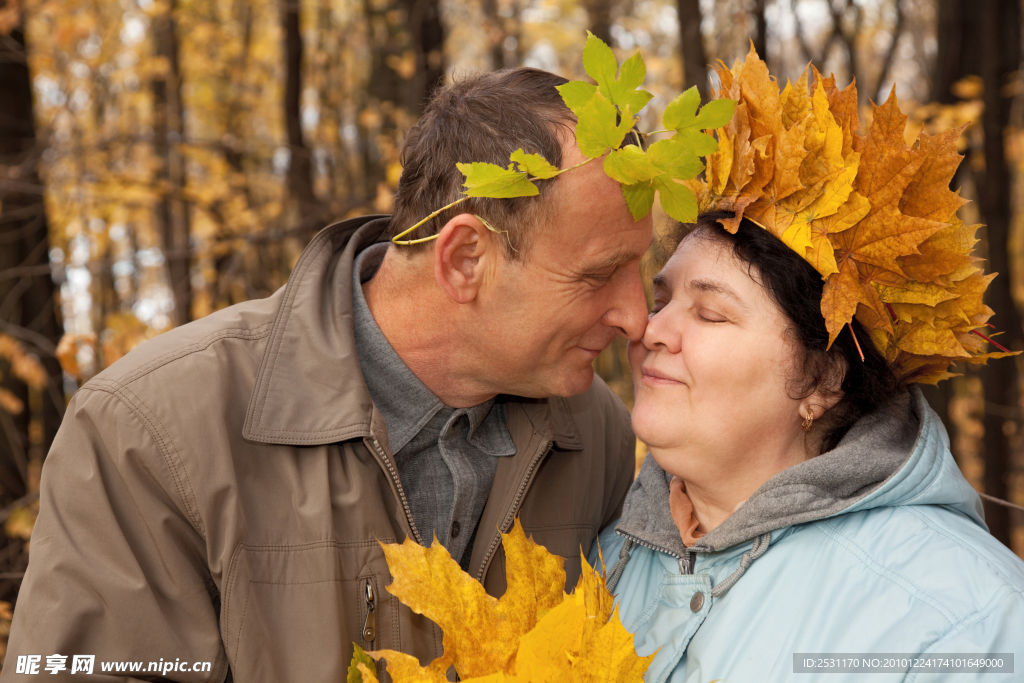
x,y
711,316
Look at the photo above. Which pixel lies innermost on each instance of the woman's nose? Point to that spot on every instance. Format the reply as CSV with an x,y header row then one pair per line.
x,y
661,333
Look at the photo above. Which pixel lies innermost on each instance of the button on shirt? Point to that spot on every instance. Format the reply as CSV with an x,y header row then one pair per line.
x,y
446,457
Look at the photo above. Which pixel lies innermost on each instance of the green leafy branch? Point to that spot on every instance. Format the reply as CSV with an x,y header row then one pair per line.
x,y
606,113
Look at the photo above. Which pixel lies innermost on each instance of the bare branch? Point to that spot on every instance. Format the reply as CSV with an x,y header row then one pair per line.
x,y
25,271
804,46
890,54
18,186
14,441
26,335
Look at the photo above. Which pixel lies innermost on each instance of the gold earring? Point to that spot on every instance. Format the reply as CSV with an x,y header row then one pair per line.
x,y
808,420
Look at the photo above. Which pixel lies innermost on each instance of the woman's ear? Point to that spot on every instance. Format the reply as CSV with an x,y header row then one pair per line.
x,y
462,254
828,390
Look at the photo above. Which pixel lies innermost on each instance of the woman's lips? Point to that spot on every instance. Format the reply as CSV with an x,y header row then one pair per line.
x,y
654,376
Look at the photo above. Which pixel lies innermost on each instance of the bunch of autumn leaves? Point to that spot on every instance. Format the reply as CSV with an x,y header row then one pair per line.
x,y
873,215
534,632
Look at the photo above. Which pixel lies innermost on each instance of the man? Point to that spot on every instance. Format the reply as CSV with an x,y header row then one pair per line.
x,y
218,495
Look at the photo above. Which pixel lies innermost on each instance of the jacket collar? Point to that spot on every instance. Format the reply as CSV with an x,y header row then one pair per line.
x,y
309,389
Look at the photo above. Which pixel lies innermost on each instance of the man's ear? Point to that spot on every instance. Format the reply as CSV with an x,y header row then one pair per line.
x,y
462,254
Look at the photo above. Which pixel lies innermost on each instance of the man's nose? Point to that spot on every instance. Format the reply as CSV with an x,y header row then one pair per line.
x,y
629,309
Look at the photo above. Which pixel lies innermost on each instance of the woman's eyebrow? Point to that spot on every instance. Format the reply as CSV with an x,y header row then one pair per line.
x,y
660,282
715,287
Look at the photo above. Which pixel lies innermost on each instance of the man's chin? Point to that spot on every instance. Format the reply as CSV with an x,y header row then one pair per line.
x,y
567,384
575,384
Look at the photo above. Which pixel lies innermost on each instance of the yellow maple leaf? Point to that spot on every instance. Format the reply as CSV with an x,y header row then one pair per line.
x,y
534,633
609,657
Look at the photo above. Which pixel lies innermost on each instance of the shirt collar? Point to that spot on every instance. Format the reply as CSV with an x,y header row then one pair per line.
x,y
406,404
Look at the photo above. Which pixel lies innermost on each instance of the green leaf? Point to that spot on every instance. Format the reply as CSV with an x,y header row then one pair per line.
x,y
599,63
620,87
639,198
630,165
596,130
699,143
534,164
677,200
682,111
624,90
715,114
359,655
675,158
576,94
490,180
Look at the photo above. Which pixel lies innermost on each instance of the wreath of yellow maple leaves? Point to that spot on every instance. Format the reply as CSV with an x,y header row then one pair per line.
x,y
875,217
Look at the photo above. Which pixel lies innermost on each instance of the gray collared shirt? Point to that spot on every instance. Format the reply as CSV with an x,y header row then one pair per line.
x,y
446,457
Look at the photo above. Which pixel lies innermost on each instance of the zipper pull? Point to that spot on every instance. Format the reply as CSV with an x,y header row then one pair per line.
x,y
687,562
370,625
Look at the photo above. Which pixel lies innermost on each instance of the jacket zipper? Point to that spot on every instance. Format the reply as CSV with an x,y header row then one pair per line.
x,y
370,624
686,561
507,522
398,485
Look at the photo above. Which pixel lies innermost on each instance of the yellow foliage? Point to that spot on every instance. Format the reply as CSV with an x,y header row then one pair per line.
x,y
10,403
122,334
872,214
534,633
24,365
20,522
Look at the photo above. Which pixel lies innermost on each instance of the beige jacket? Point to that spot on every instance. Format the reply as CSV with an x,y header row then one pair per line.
x,y
218,495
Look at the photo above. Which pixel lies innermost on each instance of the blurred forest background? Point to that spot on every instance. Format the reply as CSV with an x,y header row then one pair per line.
x,y
162,159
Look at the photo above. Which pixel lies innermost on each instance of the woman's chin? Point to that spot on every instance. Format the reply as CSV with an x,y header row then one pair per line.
x,y
658,429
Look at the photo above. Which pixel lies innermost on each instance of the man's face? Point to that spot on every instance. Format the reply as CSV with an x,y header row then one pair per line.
x,y
546,320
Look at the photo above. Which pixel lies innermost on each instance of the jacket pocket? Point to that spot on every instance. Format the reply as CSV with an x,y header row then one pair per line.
x,y
292,613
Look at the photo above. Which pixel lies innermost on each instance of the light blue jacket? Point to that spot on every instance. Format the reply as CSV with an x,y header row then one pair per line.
x,y
878,546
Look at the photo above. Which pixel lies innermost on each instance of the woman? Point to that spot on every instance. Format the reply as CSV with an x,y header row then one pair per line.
x,y
799,500
741,546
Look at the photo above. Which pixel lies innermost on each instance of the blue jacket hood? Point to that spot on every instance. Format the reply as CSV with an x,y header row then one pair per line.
x,y
898,455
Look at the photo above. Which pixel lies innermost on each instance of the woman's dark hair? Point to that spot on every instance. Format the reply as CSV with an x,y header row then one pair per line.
x,y
796,288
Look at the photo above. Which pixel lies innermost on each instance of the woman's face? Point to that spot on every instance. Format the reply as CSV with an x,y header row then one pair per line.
x,y
712,372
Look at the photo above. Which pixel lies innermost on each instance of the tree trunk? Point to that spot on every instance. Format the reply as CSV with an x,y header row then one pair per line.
x,y
300,167
952,54
27,300
999,39
983,39
691,47
407,65
600,14
169,125
504,34
760,37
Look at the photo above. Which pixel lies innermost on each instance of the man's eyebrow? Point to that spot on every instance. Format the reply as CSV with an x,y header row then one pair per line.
x,y
611,263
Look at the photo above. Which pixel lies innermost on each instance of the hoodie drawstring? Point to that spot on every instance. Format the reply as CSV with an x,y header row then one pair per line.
x,y
758,549
620,565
